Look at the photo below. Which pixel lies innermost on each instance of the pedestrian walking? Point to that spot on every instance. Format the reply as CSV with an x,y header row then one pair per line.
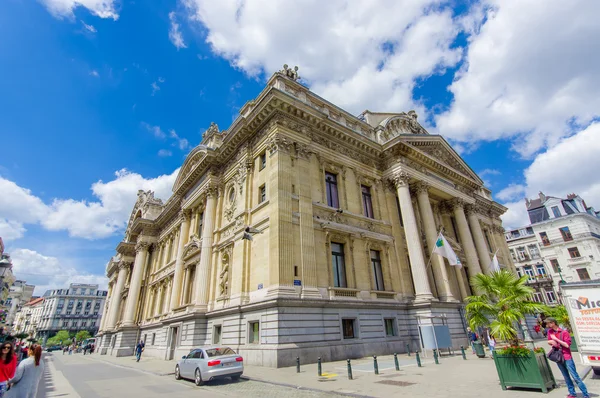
x,y
472,338
138,350
492,344
28,375
8,366
561,339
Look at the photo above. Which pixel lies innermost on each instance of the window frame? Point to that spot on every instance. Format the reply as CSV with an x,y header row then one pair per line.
x,y
262,193
586,272
393,325
545,239
262,161
566,235
555,265
549,299
335,265
377,269
220,334
555,209
251,333
331,187
367,201
572,250
353,324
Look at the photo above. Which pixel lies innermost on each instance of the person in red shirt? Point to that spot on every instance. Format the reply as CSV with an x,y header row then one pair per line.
x,y
8,365
561,339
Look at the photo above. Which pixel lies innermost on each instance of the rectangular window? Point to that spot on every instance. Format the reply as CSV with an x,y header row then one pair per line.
x,y
530,273
555,211
574,252
534,251
153,338
332,190
348,328
390,329
339,267
583,274
537,297
566,234
262,193
522,254
217,334
545,240
254,332
487,240
200,224
551,297
262,161
513,255
541,271
367,201
555,266
377,272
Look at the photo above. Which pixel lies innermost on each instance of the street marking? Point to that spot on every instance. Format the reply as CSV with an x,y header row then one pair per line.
x,y
328,375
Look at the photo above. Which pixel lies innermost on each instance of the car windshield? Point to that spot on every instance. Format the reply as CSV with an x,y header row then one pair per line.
x,y
217,352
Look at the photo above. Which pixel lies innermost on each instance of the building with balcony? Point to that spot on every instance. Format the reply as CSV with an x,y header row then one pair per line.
x,y
77,308
19,293
302,230
6,280
29,316
561,243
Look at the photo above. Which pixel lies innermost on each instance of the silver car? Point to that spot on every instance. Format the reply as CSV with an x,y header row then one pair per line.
x,y
209,363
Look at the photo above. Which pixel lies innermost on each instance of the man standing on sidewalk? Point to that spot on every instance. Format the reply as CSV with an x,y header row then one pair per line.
x,y
138,350
561,339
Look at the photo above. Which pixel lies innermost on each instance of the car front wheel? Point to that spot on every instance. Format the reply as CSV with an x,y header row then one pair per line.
x,y
198,378
177,373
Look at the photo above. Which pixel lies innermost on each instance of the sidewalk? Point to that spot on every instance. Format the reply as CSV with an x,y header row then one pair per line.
x,y
454,376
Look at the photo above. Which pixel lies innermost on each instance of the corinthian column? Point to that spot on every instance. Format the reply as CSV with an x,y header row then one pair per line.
x,y
413,242
203,270
466,240
439,267
141,253
115,302
184,232
482,250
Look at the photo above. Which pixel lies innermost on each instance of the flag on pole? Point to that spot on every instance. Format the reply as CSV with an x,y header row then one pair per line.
x,y
443,248
495,265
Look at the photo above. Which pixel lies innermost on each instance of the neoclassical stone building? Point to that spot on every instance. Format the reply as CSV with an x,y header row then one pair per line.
x,y
343,212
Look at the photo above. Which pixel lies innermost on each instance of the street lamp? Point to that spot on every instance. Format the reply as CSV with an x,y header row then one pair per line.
x,y
5,265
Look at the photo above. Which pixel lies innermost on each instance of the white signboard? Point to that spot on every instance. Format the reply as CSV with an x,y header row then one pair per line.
x,y
584,306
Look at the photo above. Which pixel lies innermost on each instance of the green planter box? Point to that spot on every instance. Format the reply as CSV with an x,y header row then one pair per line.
x,y
479,350
531,371
574,344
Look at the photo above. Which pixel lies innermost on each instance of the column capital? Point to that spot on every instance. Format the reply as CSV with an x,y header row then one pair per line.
x,y
304,151
142,246
497,229
421,187
400,179
211,191
457,203
125,264
185,214
279,143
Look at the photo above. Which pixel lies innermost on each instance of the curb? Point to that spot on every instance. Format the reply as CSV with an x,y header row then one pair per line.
x,y
133,368
344,394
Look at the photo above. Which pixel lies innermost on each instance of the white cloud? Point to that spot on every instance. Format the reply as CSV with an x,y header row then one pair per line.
x,y
355,54
484,174
174,33
568,167
182,143
85,219
94,73
90,28
48,273
163,153
512,191
64,8
155,88
530,74
155,130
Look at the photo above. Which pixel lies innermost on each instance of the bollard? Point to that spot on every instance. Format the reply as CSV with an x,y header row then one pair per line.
x,y
418,359
435,357
462,351
349,370
375,367
408,349
319,366
396,361
297,364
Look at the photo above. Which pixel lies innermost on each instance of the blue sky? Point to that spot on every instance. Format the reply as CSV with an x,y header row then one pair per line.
x,y
99,98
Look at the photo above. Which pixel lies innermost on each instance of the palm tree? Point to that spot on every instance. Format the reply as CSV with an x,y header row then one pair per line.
x,y
502,302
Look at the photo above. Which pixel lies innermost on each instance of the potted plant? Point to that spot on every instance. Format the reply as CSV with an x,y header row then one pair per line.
x,y
502,301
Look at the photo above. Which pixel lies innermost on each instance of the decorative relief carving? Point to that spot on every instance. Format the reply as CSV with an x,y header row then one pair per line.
x,y
279,143
400,179
289,73
224,272
421,187
303,151
457,203
142,246
125,264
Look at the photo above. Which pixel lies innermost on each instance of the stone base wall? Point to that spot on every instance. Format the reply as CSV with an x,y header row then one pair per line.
x,y
288,330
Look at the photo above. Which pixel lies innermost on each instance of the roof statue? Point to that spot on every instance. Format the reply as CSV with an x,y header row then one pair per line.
x,y
289,73
213,128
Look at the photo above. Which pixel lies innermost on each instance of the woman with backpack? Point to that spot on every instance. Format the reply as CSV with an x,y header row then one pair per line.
x,y
27,378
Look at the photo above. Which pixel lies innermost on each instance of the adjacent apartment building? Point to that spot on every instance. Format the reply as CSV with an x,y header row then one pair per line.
x,y
77,308
19,293
562,243
302,230
27,319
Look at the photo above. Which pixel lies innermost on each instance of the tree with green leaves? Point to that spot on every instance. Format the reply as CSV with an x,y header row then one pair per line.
x,y
503,301
561,315
60,338
82,335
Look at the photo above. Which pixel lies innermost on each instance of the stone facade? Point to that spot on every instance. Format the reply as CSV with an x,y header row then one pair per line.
x,y
302,231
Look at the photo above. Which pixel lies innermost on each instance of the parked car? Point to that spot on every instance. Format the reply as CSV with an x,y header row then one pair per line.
x,y
53,348
208,363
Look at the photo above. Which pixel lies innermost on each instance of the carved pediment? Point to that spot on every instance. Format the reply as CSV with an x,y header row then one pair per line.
x,y
193,160
192,247
439,150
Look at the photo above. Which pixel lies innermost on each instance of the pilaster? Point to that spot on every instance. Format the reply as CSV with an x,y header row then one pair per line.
x,y
184,232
